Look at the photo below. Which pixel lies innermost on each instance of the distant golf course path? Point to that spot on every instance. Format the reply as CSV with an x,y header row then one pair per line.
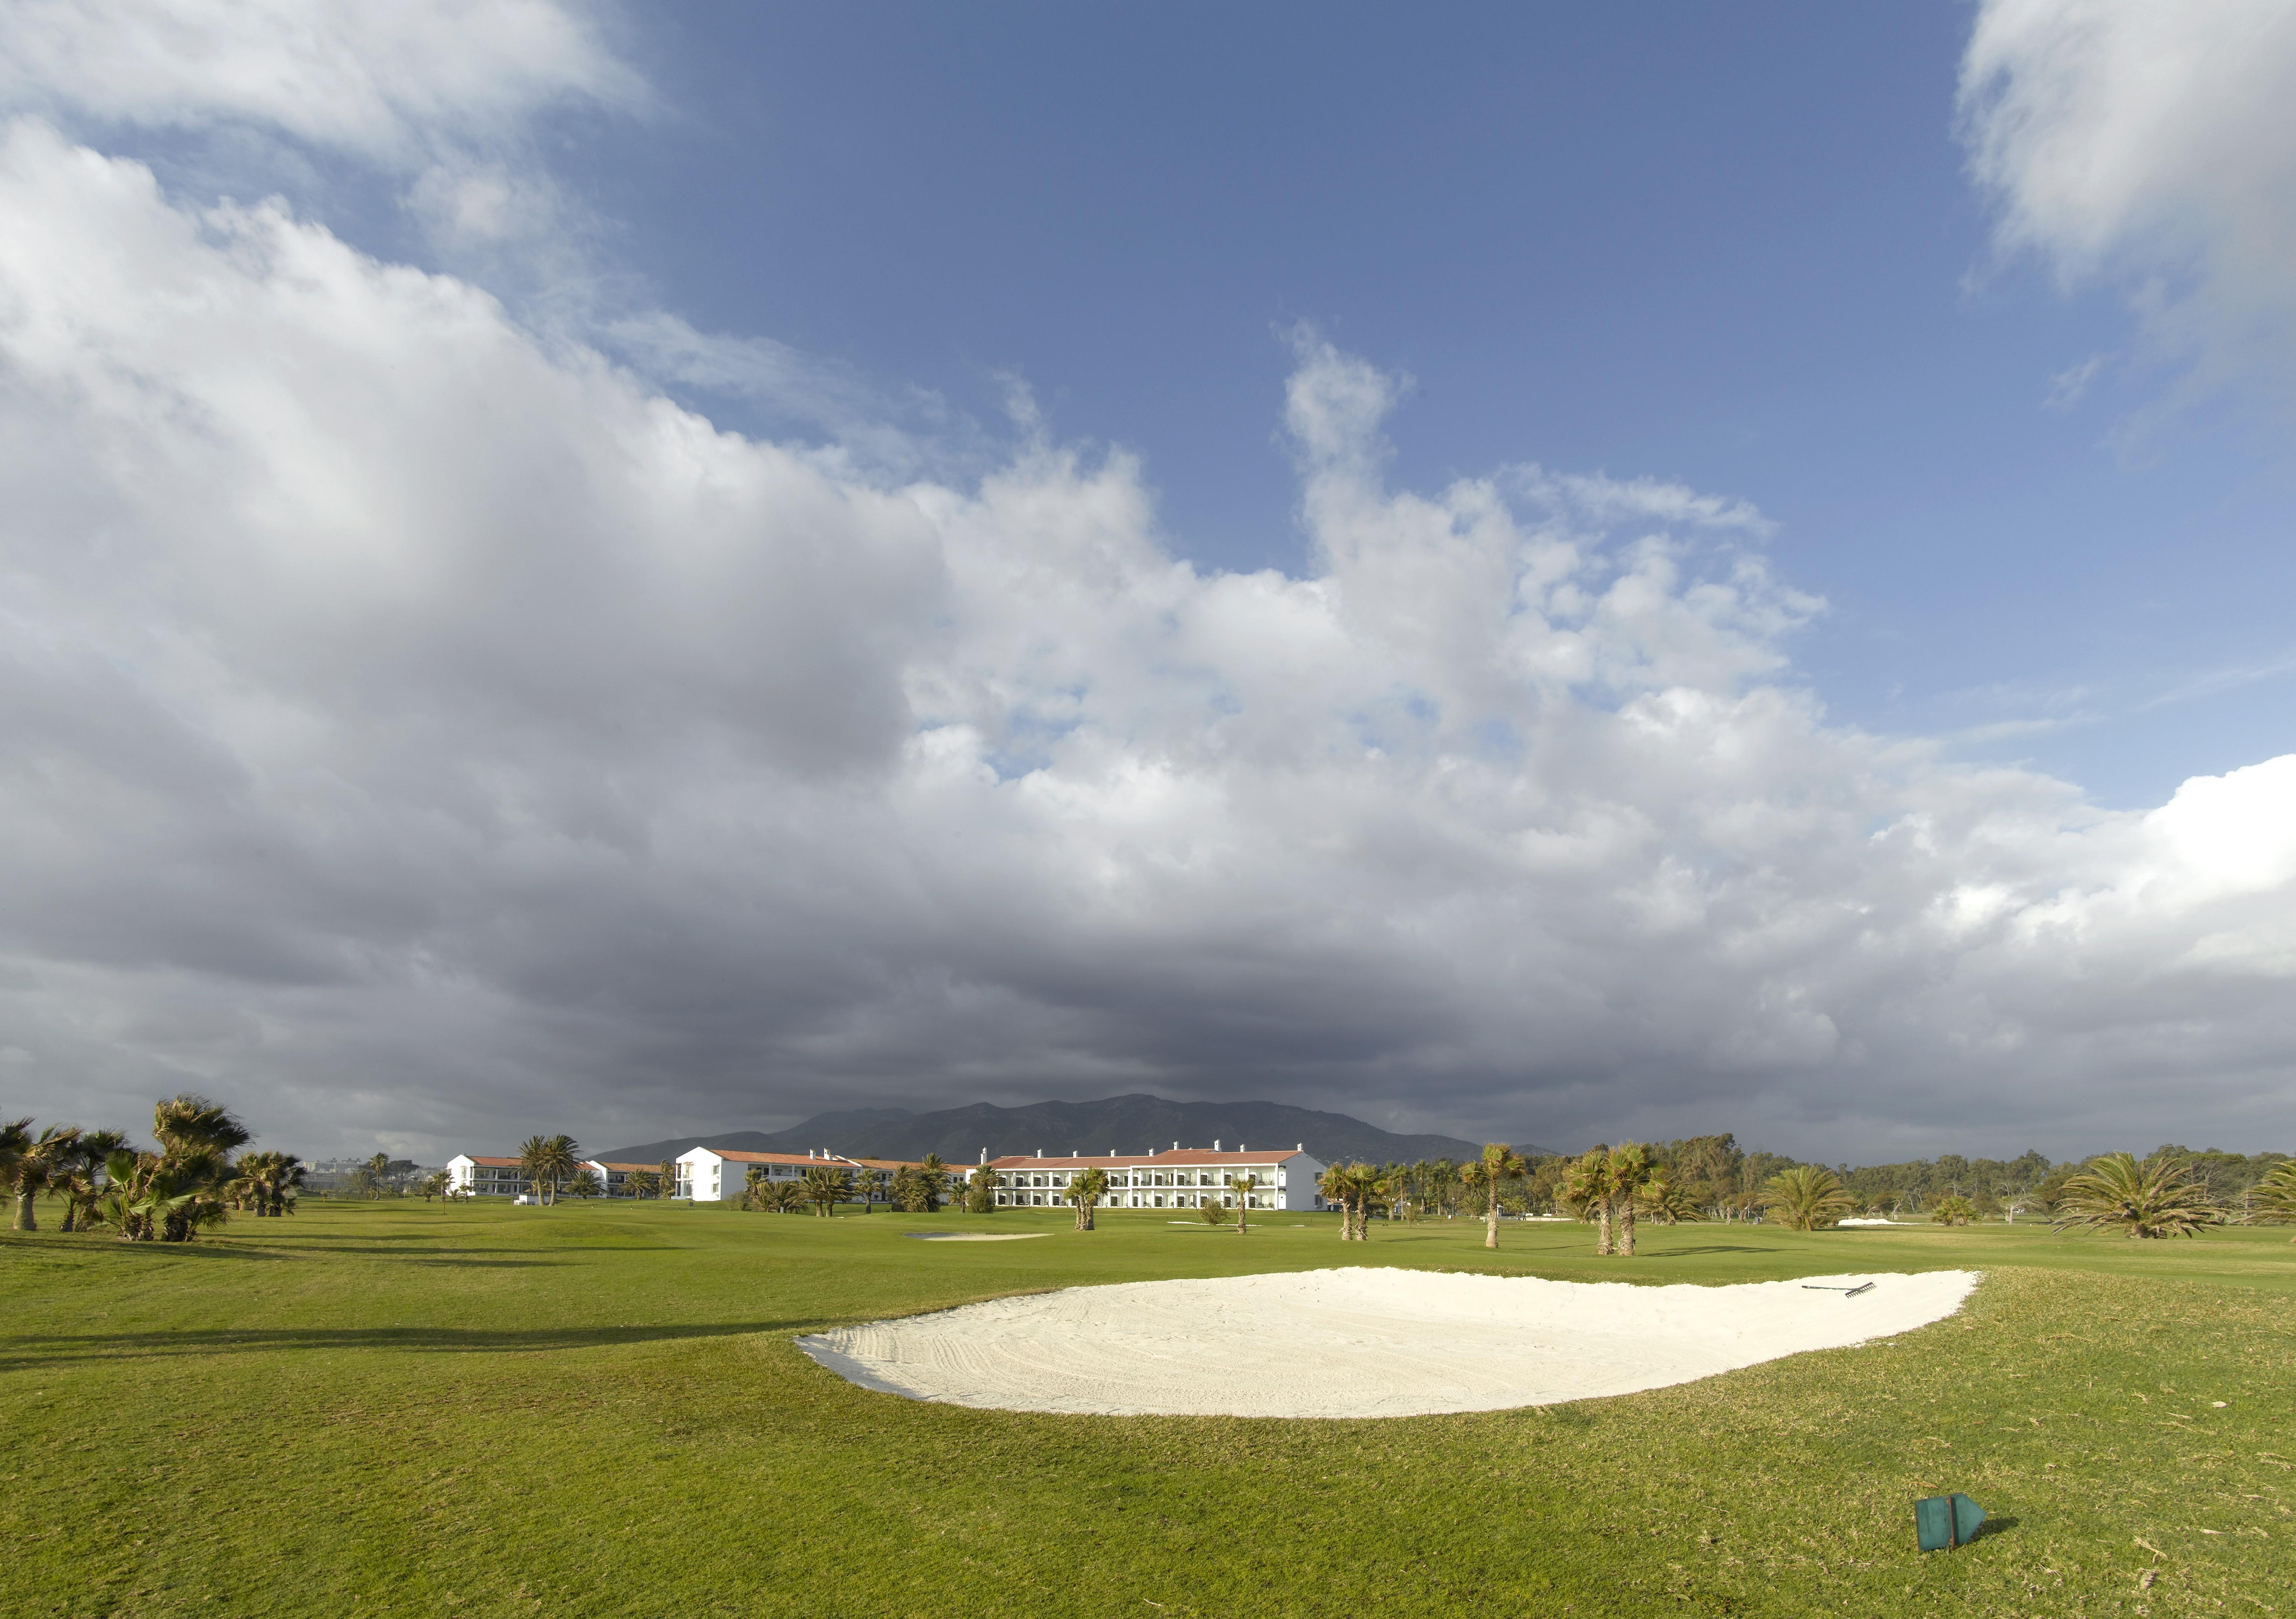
x,y
398,1408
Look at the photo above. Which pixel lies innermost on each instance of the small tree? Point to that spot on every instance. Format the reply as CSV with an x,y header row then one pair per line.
x,y
666,1172
827,1185
1243,1184
1953,1210
75,1178
1665,1200
2272,1202
1625,1168
31,1166
980,1191
1807,1197
1586,1188
1334,1187
1086,1191
2155,1199
908,1191
932,1176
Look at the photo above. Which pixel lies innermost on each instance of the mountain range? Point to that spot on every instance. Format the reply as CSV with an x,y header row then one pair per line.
x,y
1135,1123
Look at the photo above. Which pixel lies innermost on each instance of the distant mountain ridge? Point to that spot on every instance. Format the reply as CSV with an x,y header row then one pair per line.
x,y
1137,1123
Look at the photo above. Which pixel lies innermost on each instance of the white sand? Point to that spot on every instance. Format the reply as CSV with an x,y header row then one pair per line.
x,y
974,1236
1361,1342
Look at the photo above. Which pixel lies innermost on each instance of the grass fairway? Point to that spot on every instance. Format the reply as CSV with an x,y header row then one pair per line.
x,y
479,1409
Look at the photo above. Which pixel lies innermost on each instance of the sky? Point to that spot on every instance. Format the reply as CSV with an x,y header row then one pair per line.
x,y
1563,573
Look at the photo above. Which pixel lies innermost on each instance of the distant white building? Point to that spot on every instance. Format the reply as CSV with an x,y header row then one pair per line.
x,y
1186,1178
708,1174
480,1176
616,1177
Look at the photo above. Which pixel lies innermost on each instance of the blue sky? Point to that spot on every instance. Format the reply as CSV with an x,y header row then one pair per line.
x,y
1736,247
1569,572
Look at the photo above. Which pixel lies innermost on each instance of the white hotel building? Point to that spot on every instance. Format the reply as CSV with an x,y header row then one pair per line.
x,y
1181,1178
713,1175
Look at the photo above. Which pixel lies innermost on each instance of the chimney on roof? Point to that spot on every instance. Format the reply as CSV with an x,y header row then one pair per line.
x,y
984,1154
1040,1152
1215,1144
1301,1148
1176,1147
808,1152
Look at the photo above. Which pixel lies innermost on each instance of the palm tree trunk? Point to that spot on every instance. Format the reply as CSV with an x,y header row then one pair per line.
x,y
1602,1224
1626,1228
1491,1221
27,1219
70,1208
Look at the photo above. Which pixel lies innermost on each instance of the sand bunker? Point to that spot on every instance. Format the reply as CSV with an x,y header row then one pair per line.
x,y
974,1237
1361,1343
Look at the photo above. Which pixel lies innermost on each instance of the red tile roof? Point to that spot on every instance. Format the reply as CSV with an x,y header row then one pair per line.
x,y
492,1163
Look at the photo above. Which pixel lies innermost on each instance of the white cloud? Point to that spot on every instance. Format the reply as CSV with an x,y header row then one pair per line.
x,y
414,728
2149,144
387,82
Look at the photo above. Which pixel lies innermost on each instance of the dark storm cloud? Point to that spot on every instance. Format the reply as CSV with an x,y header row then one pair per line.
x,y
419,729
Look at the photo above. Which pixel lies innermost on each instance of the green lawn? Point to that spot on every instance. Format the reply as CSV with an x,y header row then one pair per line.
x,y
421,1409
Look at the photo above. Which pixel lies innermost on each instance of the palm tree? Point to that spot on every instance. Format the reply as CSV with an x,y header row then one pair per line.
x,y
934,1173
827,1185
1241,1185
15,1139
1333,1186
32,1165
2156,1198
1360,1187
1086,1191
1625,1168
1499,1164
642,1184
1665,1200
548,1162
196,1138
980,1191
1586,1188
667,1173
1807,1197
75,1178
781,1197
283,1182
2275,1195
264,1182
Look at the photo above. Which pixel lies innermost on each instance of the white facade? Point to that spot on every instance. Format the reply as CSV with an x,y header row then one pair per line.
x,y
707,1175
469,1176
1181,1178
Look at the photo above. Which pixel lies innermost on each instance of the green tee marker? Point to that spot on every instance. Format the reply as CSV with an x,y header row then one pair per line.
x,y
1940,1521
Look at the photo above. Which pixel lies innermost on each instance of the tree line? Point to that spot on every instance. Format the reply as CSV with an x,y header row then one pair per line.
x,y
193,1178
2169,1193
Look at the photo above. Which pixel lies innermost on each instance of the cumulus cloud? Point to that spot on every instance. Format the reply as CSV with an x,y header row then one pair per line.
x,y
2151,145
417,728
